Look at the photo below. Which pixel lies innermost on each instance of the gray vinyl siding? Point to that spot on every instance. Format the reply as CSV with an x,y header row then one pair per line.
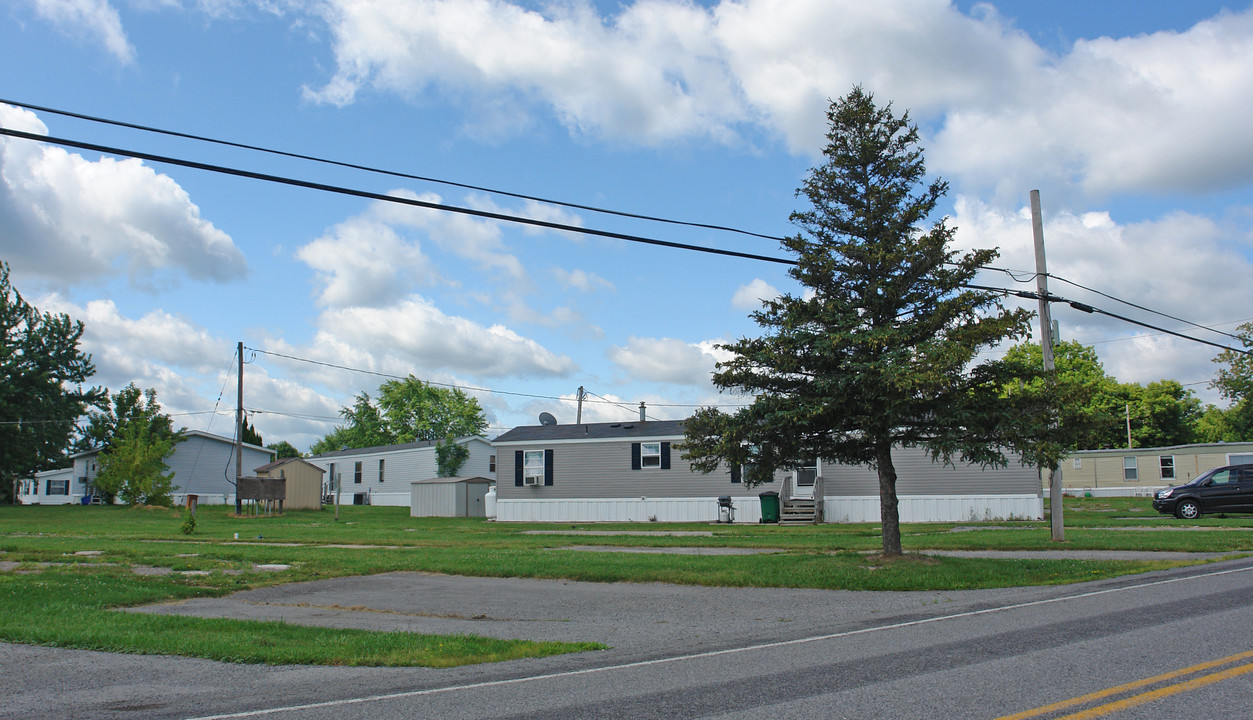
x,y
206,465
202,464
601,469
916,474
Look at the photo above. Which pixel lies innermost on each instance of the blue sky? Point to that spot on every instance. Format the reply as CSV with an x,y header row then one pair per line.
x,y
1130,118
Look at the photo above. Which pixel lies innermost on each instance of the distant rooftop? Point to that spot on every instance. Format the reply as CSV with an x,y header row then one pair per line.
x,y
593,431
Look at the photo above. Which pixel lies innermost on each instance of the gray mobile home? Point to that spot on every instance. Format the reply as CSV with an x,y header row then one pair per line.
x,y
203,464
633,472
608,472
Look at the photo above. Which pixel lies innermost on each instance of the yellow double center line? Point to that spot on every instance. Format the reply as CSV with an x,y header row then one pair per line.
x,y
1144,697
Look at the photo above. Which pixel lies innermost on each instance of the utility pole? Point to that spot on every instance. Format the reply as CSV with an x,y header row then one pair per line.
x,y
239,428
1046,349
578,418
1128,409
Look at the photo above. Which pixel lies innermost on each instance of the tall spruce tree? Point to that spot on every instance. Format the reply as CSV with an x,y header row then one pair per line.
x,y
42,371
877,353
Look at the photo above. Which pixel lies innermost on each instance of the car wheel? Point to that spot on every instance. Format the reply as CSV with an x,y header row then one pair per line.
x,y
1187,510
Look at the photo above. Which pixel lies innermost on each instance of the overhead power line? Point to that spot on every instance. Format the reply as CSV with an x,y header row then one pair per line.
x,y
463,388
1141,307
1084,307
338,189
538,223
381,171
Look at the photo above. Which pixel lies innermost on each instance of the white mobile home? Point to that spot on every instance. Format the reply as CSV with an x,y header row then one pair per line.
x,y
50,487
382,475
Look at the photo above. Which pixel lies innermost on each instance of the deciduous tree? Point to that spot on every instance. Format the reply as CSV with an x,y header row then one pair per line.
x,y
283,449
127,406
133,467
408,410
136,438
450,456
1235,382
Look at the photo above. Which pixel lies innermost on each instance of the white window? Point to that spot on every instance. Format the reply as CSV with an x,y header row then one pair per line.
x,y
1240,459
1167,464
58,487
1078,463
533,467
650,454
1129,470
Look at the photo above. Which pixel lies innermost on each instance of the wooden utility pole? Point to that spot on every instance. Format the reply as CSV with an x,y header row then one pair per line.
x,y
239,428
578,418
1046,349
1128,409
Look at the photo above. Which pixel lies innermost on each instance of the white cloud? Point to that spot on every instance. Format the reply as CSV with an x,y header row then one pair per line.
x,y
750,296
1163,111
1158,112
653,73
661,71
92,19
364,261
667,360
71,220
418,334
1181,264
374,258
144,350
582,280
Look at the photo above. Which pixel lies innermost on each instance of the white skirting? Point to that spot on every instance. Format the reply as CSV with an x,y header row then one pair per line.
x,y
913,508
937,508
704,509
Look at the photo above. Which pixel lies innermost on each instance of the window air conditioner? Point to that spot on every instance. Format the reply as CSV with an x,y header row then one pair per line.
x,y
531,480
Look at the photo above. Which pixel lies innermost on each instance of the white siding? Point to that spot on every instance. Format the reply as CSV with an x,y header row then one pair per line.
x,y
401,466
34,491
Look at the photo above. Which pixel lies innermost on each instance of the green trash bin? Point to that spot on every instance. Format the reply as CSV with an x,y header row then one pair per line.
x,y
769,506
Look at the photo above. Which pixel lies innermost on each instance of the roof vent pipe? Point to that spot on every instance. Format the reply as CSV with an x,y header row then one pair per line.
x,y
643,417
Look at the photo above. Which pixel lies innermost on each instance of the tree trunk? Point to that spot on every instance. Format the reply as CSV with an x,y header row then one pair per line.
x,y
889,510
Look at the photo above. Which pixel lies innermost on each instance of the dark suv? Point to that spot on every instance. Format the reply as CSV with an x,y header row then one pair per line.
x,y
1221,490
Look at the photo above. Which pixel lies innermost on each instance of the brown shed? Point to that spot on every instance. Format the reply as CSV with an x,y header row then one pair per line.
x,y
304,482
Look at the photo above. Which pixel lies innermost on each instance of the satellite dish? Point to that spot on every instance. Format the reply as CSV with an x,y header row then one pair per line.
x,y
547,419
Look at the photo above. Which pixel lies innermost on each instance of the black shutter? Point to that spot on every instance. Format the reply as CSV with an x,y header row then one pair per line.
x,y
735,473
548,467
635,456
665,456
517,468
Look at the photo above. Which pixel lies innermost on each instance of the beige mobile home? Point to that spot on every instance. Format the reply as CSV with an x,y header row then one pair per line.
x,y
1143,470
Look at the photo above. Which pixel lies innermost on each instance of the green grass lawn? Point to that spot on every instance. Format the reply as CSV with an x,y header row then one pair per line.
x,y
70,566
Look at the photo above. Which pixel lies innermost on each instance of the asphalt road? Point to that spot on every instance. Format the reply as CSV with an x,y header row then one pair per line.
x,y
685,652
